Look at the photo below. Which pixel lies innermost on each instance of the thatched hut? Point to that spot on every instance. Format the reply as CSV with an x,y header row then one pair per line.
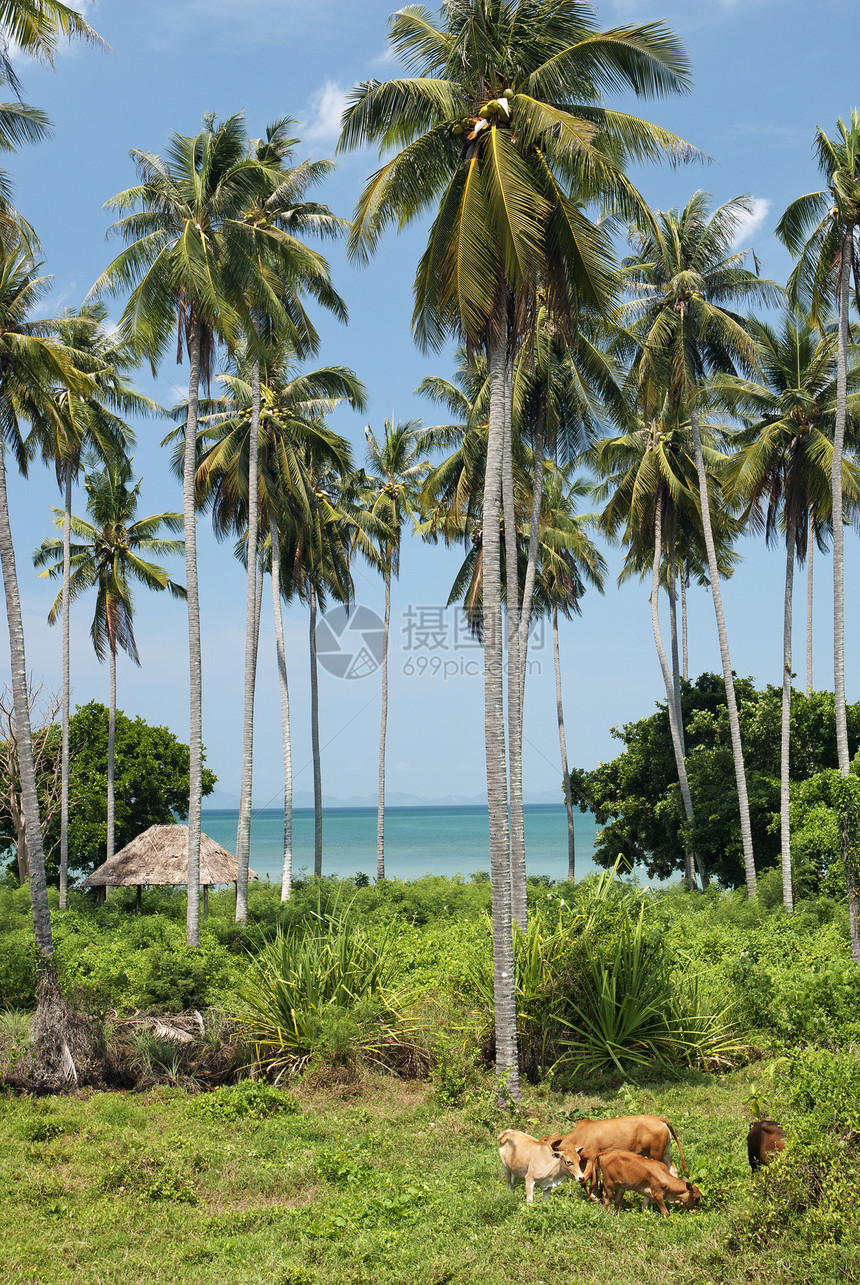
x,y
159,856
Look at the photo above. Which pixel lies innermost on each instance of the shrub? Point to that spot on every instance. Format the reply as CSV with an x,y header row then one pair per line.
x,y
326,991
249,1099
150,1177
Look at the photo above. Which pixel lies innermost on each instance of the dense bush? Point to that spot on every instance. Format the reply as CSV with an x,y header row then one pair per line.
x,y
326,990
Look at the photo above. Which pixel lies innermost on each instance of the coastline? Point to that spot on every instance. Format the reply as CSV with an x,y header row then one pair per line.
x,y
423,840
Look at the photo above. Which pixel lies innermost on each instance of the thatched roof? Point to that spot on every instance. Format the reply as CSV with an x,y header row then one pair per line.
x,y
160,856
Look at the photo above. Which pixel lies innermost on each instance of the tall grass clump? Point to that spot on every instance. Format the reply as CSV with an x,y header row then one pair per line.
x,y
631,1011
326,991
597,991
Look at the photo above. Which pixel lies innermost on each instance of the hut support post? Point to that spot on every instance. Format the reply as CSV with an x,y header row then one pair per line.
x,y
205,901
139,903
101,895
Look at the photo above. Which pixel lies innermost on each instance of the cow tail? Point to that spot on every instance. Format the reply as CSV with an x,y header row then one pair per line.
x,y
678,1141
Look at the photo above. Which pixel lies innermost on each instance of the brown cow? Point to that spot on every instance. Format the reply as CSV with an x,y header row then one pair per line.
x,y
764,1137
644,1135
619,1171
533,1160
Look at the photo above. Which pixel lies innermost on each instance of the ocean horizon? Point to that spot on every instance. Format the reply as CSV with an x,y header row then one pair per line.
x,y
427,840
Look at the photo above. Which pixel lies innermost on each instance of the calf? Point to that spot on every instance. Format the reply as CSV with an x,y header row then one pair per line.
x,y
764,1137
619,1171
533,1160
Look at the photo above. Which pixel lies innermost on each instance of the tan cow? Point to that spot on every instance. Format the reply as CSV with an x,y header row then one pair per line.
x,y
644,1135
619,1171
533,1160
764,1138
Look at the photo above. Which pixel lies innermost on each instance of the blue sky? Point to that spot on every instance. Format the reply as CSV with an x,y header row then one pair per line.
x,y
767,72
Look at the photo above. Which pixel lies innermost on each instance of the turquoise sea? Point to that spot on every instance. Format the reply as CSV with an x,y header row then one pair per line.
x,y
418,841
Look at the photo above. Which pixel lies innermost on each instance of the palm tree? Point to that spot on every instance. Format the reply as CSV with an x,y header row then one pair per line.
x,y
502,119
291,430
34,27
567,560
275,293
389,488
316,566
190,260
782,469
107,556
650,485
822,228
31,366
683,273
89,423
563,390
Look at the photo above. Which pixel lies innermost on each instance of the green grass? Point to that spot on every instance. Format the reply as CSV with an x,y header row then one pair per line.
x,y
369,1182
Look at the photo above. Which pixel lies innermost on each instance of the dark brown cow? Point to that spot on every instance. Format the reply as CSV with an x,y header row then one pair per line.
x,y
620,1171
764,1137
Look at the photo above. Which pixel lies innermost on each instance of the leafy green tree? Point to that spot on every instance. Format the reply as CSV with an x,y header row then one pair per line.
x,y
108,556
151,773
636,798
503,130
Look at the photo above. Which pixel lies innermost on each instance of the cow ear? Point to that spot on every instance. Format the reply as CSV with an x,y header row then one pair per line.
x,y
555,1143
579,1150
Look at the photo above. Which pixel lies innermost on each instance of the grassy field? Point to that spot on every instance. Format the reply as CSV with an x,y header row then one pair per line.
x,y
374,1182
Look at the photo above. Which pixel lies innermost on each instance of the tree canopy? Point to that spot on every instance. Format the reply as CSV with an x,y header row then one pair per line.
x,y
636,797
151,786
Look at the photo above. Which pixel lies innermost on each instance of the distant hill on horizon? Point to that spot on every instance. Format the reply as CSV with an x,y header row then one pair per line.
x,y
220,800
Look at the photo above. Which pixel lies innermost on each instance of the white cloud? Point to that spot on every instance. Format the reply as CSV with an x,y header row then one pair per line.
x,y
321,117
751,222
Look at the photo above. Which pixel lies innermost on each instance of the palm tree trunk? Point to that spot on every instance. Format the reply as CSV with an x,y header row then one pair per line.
x,y
810,542
383,725
315,735
243,833
519,906
672,708
286,740
685,658
839,574
26,764
66,692
728,677
785,731
111,798
562,744
673,644
524,623
838,525
504,988
195,720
